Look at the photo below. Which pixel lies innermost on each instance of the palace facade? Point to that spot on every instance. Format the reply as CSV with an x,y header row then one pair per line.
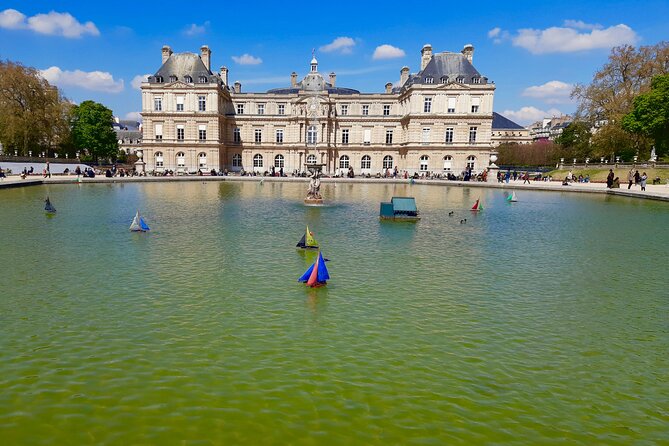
x,y
437,120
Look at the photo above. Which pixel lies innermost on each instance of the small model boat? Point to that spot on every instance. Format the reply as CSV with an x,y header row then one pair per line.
x,y
307,241
138,224
477,206
512,197
317,274
48,207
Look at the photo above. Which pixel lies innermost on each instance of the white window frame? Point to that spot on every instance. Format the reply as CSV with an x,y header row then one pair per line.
x,y
425,135
452,104
387,162
159,131
345,135
389,136
472,134
344,162
261,109
471,162
427,105
279,161
160,159
257,160
181,159
180,103
279,136
367,136
449,135
312,135
366,162
202,132
365,110
240,109
236,160
282,109
202,103
181,132
386,110
158,103
448,163
236,135
200,163
344,109
311,159
424,163
257,136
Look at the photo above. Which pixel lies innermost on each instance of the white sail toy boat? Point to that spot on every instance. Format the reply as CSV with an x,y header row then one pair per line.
x,y
138,224
512,197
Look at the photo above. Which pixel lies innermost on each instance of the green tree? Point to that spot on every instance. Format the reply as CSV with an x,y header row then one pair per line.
x,y
650,115
33,113
92,130
575,140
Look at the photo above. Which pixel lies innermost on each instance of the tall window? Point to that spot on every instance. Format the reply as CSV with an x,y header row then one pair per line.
x,y
236,160
476,80
159,159
344,109
449,135
426,135
202,132
344,162
180,103
427,105
180,133
261,109
424,163
366,162
240,109
202,103
202,160
387,162
451,105
188,79
471,162
279,161
279,136
173,78
448,163
202,79
389,136
158,104
181,159
344,136
472,134
257,160
429,80
386,110
460,80
365,110
236,135
258,135
159,132
311,134
444,79
282,109
475,104
311,159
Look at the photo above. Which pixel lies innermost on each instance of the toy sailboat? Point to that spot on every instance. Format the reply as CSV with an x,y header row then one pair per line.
x,y
48,207
477,206
307,241
138,224
317,274
512,197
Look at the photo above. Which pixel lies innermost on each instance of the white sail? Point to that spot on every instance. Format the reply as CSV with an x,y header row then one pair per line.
x,y
513,196
135,223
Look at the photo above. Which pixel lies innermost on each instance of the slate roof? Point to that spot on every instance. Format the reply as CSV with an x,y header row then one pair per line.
x,y
499,122
313,82
182,65
445,65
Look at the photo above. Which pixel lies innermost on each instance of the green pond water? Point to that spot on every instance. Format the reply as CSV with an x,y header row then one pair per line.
x,y
539,322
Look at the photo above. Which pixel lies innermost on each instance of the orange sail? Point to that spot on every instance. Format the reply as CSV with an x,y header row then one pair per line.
x,y
313,278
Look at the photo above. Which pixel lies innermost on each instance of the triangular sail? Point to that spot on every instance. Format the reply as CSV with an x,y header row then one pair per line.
x,y
313,278
142,224
310,240
301,243
48,206
134,226
317,274
513,196
476,206
323,274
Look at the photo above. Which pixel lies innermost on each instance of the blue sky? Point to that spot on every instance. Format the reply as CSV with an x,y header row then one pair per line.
x,y
534,51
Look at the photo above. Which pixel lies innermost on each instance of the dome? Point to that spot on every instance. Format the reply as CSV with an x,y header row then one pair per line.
x,y
313,82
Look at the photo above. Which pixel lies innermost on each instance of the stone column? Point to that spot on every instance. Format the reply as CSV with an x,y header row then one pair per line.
x,y
493,170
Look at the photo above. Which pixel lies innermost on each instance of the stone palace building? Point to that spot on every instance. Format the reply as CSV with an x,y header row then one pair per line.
x,y
437,120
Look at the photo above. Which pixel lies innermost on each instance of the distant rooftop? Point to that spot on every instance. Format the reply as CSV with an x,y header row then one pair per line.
x,y
499,122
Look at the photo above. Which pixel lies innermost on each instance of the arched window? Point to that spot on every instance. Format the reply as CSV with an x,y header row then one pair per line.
x,y
279,161
366,162
448,162
387,162
202,160
236,160
257,160
344,162
311,159
471,162
173,78
181,159
188,79
160,161
311,134
424,161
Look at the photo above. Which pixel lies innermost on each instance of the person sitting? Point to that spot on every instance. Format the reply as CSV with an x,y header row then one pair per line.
x,y
566,181
108,173
2,174
616,183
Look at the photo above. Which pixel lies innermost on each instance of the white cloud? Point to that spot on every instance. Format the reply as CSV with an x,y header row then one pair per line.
x,y
196,30
528,115
567,40
136,81
552,92
135,116
580,24
343,45
53,23
387,52
498,35
494,32
88,80
247,59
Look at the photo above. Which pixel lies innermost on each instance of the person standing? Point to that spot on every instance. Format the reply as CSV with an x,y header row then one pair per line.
x,y
609,179
644,177
630,177
48,170
526,178
637,177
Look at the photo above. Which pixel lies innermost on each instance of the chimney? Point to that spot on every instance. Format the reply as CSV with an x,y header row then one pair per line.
x,y
205,55
293,79
167,52
468,52
333,78
425,56
389,87
404,75
238,87
224,75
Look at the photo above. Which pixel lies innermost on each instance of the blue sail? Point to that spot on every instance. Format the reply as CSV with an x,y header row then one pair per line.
x,y
306,275
143,225
323,274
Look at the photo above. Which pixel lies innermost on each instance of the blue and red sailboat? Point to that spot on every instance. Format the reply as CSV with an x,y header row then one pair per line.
x,y
317,274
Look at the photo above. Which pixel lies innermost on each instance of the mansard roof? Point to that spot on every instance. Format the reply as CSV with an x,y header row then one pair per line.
x,y
182,65
445,67
499,122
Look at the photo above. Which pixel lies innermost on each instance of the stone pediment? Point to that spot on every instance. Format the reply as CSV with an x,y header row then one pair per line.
x,y
179,84
454,86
